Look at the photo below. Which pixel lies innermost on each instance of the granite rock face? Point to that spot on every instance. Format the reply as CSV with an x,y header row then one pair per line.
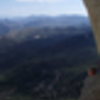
x,y
93,7
91,89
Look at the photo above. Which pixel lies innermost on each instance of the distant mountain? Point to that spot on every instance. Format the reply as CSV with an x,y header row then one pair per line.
x,y
7,25
57,21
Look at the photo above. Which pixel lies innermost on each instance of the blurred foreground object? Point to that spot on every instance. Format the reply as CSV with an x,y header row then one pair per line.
x,y
91,89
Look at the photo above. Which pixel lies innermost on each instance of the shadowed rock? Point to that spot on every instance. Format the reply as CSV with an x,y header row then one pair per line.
x,y
91,90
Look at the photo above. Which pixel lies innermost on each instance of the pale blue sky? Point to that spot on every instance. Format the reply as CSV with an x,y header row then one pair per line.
x,y
11,8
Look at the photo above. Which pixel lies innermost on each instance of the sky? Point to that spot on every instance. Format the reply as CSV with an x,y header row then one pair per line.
x,y
19,8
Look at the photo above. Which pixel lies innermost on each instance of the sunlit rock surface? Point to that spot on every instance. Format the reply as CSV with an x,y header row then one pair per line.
x,y
93,7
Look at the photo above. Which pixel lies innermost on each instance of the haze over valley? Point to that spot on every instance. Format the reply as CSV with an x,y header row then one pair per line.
x,y
45,57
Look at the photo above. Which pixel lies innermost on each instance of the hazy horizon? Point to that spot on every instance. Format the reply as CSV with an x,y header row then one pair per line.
x,y
25,8
42,15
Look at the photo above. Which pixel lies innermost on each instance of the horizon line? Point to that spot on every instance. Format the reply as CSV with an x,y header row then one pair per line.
x,y
41,15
